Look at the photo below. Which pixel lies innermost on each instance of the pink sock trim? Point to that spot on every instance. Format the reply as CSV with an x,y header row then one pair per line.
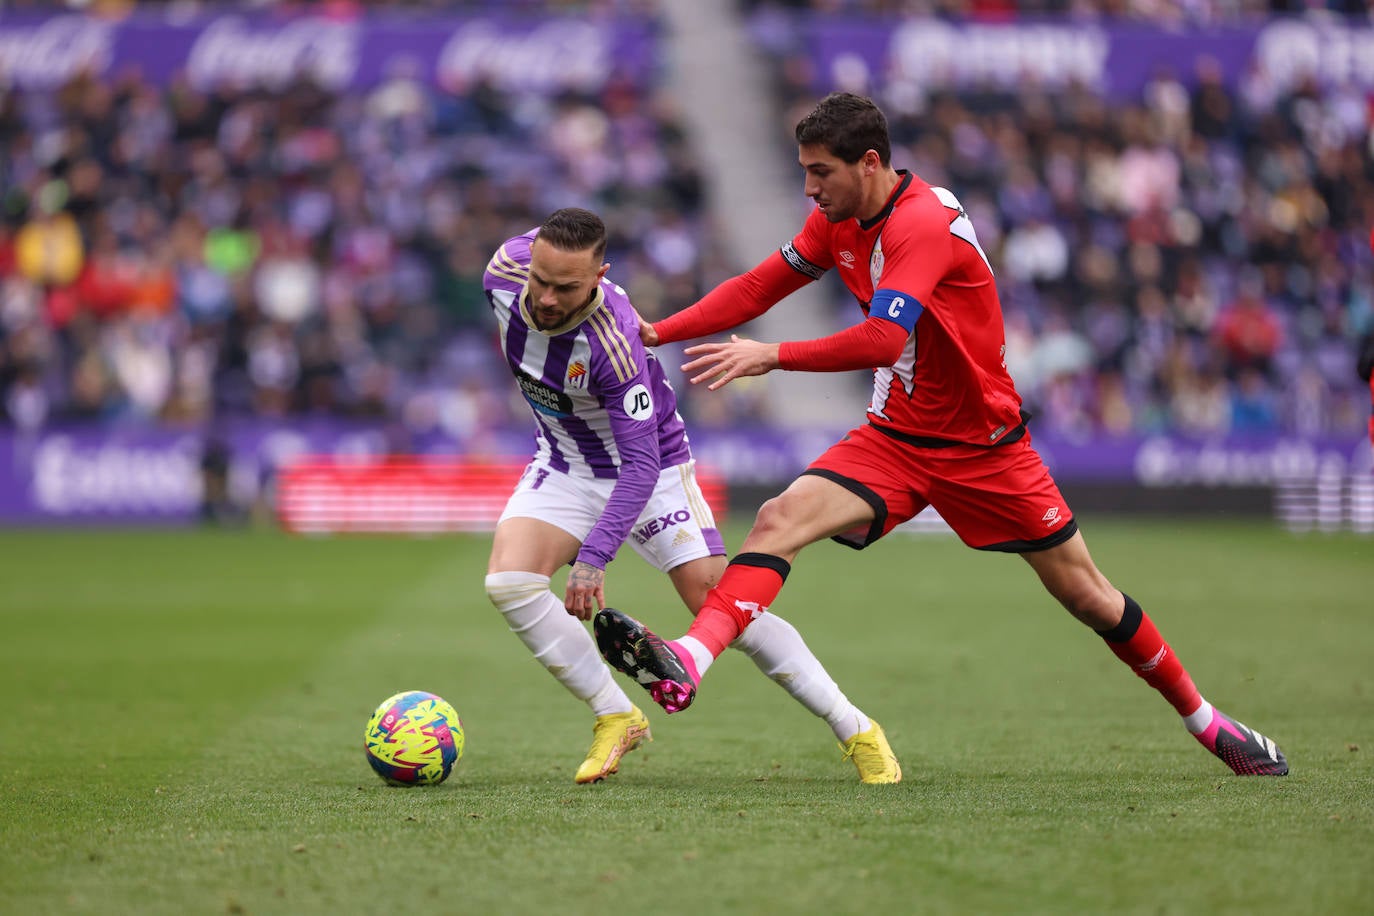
x,y
1208,737
686,658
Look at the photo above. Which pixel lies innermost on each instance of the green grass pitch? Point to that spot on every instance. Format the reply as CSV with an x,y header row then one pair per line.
x,y
185,715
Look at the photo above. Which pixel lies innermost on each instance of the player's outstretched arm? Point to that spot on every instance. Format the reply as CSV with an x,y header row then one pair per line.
x,y
872,343
736,301
876,342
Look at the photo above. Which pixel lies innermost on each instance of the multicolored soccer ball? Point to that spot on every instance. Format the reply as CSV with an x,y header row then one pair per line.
x,y
414,739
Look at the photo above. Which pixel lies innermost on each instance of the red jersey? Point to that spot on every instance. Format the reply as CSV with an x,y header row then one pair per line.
x,y
951,381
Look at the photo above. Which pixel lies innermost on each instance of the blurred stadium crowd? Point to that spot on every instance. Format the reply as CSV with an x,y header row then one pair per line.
x,y
1162,12
172,255
1195,262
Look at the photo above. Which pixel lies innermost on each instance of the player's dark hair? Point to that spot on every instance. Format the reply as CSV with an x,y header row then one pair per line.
x,y
575,229
848,126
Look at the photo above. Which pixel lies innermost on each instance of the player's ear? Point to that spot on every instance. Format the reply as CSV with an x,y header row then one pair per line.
x,y
871,162
600,274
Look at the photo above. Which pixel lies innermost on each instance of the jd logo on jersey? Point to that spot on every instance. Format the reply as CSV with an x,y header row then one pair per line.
x,y
638,404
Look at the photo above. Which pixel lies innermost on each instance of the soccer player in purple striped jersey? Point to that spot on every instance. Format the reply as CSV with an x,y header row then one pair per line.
x,y
612,463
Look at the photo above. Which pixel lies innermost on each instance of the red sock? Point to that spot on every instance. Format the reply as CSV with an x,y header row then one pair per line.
x,y
1137,643
749,585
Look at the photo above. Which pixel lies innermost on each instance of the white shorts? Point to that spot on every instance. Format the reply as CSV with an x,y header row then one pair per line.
x,y
675,527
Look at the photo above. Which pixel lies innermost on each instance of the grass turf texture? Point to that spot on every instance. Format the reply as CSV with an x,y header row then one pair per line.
x,y
187,709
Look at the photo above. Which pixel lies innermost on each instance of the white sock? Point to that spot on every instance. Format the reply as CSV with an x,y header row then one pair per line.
x,y
780,652
557,639
701,656
1197,721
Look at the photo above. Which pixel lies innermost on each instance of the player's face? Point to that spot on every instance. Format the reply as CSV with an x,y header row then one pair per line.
x,y
561,283
836,186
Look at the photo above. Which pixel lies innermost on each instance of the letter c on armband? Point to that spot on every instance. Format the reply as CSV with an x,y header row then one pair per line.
x,y
896,307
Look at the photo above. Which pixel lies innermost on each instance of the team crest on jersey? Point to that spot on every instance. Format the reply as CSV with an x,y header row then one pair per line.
x,y
577,374
875,263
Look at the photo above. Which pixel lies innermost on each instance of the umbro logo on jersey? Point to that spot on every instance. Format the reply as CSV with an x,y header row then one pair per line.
x,y
847,259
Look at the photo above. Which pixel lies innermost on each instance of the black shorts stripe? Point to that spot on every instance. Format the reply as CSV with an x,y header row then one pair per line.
x,y
874,501
1015,434
1044,543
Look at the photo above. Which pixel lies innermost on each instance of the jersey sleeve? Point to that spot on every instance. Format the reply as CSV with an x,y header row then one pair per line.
x,y
745,297
736,301
810,250
620,377
638,476
916,255
873,342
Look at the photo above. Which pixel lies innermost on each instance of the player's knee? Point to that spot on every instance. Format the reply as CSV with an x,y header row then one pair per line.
x,y
772,517
509,591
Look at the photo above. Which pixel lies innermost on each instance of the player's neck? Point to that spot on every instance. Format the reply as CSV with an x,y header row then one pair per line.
x,y
879,192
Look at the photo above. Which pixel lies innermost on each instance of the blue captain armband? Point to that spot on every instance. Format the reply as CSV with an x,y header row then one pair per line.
x,y
898,308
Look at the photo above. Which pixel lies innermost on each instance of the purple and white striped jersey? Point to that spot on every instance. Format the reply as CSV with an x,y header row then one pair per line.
x,y
601,403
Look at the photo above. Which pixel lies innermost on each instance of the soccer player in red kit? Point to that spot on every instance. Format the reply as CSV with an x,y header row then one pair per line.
x,y
944,427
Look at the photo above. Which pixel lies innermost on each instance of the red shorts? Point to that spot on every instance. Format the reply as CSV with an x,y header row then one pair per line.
x,y
999,498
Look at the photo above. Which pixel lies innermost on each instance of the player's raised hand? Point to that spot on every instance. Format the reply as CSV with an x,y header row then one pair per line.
x,y
585,594
730,360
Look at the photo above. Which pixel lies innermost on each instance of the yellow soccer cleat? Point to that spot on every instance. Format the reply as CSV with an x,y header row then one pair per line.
x,y
873,756
613,737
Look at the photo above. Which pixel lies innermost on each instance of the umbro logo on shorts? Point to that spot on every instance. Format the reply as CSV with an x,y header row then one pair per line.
x,y
1051,516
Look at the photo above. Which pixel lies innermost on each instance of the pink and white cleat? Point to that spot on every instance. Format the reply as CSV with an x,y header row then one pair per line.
x,y
631,648
1244,750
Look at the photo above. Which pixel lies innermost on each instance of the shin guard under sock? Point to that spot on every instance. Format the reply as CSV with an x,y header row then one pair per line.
x,y
1137,642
